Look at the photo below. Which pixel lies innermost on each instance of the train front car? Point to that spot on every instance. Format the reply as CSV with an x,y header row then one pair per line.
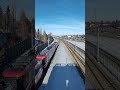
x,y
42,57
43,60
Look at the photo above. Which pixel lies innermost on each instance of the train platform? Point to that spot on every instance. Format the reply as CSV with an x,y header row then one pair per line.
x,y
62,73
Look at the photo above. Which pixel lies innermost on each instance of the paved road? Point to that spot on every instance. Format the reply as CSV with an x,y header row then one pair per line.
x,y
62,74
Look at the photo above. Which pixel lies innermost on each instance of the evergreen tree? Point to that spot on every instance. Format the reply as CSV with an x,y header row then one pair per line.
x,y
7,18
38,33
1,18
33,27
13,19
25,25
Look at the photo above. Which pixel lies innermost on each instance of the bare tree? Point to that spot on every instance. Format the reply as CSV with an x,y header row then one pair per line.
x,y
45,37
50,36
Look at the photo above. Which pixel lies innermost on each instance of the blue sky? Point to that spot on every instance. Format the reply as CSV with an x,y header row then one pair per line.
x,y
60,17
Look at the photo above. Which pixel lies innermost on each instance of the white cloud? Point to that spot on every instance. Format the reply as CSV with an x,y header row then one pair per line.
x,y
74,27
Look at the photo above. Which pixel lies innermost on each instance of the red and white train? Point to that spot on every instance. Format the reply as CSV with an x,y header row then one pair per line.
x,y
43,60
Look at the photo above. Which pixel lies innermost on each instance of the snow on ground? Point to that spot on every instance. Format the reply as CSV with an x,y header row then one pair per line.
x,y
78,44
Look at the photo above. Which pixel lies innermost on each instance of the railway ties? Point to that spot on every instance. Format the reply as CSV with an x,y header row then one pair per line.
x,y
78,59
94,72
100,80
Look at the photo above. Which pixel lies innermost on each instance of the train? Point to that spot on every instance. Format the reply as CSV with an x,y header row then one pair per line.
x,y
27,71
43,59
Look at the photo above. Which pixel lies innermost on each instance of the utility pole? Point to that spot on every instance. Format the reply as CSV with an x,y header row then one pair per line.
x,y
98,44
97,27
74,39
48,41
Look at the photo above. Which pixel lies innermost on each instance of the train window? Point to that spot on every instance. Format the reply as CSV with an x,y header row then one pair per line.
x,y
42,54
39,62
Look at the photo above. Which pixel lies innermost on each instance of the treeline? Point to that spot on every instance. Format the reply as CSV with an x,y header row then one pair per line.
x,y
43,36
114,23
16,27
104,27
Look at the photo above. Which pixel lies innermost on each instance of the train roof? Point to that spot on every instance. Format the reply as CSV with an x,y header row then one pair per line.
x,y
13,73
43,52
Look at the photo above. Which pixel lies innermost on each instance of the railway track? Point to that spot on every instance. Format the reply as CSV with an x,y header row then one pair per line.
x,y
109,65
77,59
100,81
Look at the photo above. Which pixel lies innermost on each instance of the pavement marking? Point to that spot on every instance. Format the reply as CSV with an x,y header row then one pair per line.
x,y
67,83
69,53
